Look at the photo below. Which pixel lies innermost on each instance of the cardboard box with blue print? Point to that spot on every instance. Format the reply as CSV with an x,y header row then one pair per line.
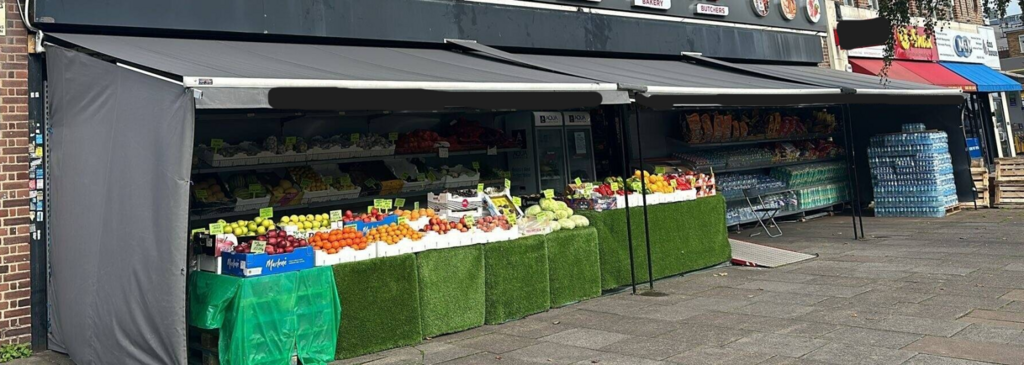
x,y
253,265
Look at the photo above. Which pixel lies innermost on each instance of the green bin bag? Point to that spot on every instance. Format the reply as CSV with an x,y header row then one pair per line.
x,y
451,285
517,279
259,318
381,301
573,265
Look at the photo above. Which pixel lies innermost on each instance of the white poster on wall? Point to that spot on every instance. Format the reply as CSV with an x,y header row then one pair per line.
x,y
958,46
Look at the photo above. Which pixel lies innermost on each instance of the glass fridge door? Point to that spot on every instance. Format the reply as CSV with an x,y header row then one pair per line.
x,y
579,145
551,159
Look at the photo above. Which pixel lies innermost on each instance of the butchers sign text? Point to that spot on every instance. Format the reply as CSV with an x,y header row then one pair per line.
x,y
708,9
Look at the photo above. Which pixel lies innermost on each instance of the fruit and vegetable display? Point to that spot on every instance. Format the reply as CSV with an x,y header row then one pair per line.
x,y
208,190
277,242
336,239
718,126
241,228
443,226
308,222
556,214
392,233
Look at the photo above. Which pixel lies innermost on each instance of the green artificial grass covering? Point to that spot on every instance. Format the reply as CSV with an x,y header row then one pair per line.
x,y
380,307
451,283
517,279
685,236
574,266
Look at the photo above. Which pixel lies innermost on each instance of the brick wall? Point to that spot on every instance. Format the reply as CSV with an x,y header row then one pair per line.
x,y
1012,40
964,11
15,303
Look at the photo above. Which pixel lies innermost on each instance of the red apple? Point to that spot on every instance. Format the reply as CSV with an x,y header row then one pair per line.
x,y
271,250
289,249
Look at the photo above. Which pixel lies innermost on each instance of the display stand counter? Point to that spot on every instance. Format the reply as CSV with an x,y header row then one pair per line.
x,y
267,319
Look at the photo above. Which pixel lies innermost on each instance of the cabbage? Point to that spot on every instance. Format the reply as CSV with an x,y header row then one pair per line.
x,y
580,221
561,205
547,204
533,210
562,214
555,226
543,217
567,223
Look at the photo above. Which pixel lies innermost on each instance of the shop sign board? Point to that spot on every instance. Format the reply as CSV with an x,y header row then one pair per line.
x,y
958,46
710,9
654,4
911,44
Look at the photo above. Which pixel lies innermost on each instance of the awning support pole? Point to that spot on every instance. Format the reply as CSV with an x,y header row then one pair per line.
x,y
623,140
851,160
643,186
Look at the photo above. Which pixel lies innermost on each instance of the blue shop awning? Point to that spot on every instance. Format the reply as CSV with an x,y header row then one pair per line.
x,y
987,79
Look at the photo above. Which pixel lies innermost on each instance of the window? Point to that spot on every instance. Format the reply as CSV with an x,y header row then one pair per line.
x,y
872,4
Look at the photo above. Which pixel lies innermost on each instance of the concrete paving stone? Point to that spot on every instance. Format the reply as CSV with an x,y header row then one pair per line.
x,y
788,277
1016,266
496,343
668,299
668,313
716,304
872,274
649,348
731,293
438,352
404,355
853,257
969,350
1015,281
892,296
991,323
467,334
770,309
613,305
998,316
776,344
869,337
985,333
785,360
583,318
700,334
788,298
807,329
35,360
962,289
948,270
585,337
924,326
824,290
718,355
884,266
926,359
640,327
841,281
929,311
723,319
861,355
617,359
485,358
532,328
1013,295
554,313
1014,306
553,353
958,300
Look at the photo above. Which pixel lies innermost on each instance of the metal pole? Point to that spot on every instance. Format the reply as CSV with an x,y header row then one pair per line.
x,y
643,186
856,180
850,170
623,144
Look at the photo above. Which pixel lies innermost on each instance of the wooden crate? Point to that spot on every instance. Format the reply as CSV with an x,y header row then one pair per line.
x,y
1010,170
1009,195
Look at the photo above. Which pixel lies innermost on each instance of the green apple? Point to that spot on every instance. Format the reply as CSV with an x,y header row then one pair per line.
x,y
221,221
308,225
258,220
296,218
268,223
234,225
261,230
316,225
285,219
310,218
251,226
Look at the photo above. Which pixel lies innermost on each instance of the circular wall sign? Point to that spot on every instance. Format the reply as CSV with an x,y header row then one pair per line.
x,y
788,9
761,7
813,10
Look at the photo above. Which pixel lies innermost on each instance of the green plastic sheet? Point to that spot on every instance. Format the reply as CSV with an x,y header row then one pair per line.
x,y
265,320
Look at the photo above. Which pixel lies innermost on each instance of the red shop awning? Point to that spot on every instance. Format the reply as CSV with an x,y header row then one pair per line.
x,y
921,72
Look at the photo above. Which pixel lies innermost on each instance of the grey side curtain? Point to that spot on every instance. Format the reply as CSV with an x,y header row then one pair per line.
x,y
121,147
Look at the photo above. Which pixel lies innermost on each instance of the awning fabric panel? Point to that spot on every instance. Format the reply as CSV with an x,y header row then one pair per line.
x,y
253,60
935,74
988,80
824,76
874,67
120,160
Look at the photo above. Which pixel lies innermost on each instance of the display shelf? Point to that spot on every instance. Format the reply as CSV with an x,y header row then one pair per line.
x,y
768,166
204,170
783,190
793,212
370,198
702,146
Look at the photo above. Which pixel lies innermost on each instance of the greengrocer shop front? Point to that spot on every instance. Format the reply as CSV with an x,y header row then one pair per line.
x,y
257,202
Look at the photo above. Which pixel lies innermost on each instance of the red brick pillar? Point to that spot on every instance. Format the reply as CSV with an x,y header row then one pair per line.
x,y
15,303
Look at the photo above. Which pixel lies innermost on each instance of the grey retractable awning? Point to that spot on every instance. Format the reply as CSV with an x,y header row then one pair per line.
x,y
241,74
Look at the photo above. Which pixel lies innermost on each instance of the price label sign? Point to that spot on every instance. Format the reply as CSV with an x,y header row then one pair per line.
x,y
393,136
431,176
267,212
354,137
588,187
305,183
615,186
517,201
470,221
405,176
370,182
328,180
549,193
345,180
416,205
216,143
350,225
480,188
673,183
336,216
476,165
384,204
511,218
442,152
400,202
289,141
402,220
492,150
421,177
216,228
578,181
660,170
258,247
508,185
